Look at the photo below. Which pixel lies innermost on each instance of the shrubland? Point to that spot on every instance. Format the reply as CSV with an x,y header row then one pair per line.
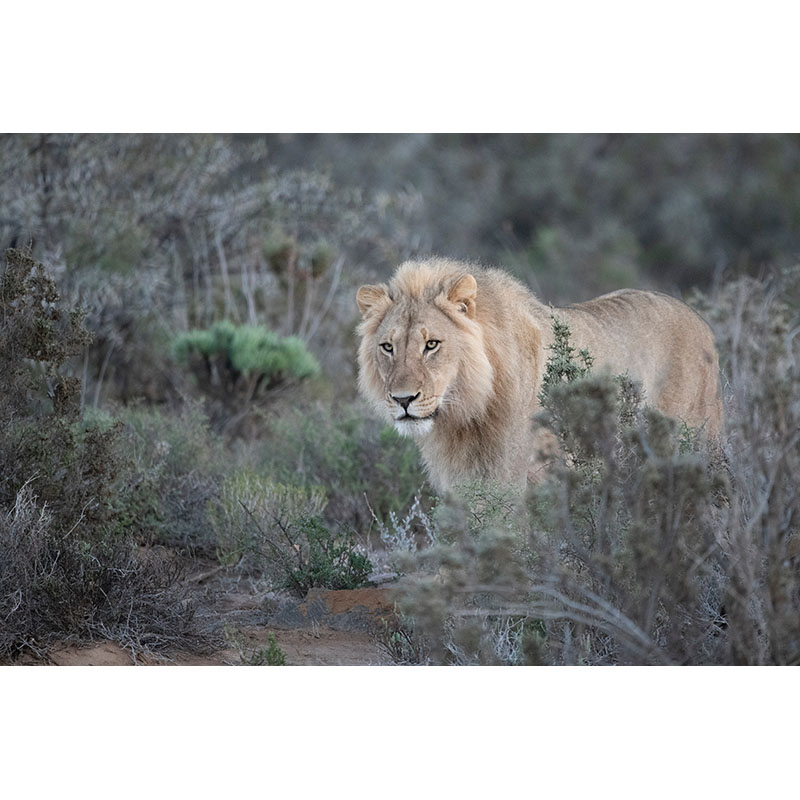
x,y
156,235
645,544
69,505
93,502
202,403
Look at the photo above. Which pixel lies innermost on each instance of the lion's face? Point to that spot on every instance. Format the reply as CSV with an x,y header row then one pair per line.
x,y
416,358
419,353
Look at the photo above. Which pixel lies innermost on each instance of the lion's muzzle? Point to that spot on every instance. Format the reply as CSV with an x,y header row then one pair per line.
x,y
413,414
404,401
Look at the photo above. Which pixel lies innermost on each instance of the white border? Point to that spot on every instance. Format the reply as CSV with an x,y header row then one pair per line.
x,y
400,732
418,66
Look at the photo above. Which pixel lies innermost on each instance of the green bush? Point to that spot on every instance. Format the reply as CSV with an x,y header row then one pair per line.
x,y
249,352
363,463
276,529
238,367
331,560
269,656
178,469
176,465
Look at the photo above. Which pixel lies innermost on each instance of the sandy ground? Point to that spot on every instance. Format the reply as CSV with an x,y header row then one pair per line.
x,y
319,647
326,628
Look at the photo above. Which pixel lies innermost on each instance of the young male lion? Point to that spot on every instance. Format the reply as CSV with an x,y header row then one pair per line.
x,y
454,355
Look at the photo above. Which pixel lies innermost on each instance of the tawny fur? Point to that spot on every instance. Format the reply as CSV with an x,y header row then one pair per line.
x,y
469,345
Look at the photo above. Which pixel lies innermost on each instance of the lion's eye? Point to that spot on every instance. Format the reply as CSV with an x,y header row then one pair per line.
x,y
431,344
387,347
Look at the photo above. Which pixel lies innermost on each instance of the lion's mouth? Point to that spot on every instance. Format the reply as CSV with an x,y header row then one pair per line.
x,y
411,425
414,418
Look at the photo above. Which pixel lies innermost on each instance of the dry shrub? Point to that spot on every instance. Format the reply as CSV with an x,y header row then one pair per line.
x,y
69,568
757,325
56,587
644,545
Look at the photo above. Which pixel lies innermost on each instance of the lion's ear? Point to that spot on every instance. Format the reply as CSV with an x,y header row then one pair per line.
x,y
463,293
368,297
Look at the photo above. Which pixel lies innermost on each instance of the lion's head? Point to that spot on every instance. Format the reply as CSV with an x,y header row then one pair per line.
x,y
422,357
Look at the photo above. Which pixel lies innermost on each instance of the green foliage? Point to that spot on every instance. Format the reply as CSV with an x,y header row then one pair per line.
x,y
276,529
332,560
39,435
269,656
561,365
345,448
179,472
182,441
176,465
238,366
581,410
249,351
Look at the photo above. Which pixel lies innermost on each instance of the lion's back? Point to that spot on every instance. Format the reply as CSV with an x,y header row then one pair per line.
x,y
661,342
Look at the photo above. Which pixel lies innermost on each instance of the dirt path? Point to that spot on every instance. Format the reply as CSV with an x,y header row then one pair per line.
x,y
326,628
319,647
256,626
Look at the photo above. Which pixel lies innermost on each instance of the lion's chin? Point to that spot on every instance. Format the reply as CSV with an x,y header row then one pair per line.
x,y
411,426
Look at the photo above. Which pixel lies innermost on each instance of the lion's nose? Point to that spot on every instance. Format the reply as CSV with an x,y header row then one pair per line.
x,y
405,400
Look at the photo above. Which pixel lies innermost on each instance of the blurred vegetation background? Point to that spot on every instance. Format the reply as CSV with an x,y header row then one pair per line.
x,y
157,235
217,274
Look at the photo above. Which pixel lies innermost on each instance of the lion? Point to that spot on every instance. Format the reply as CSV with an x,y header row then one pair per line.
x,y
454,354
